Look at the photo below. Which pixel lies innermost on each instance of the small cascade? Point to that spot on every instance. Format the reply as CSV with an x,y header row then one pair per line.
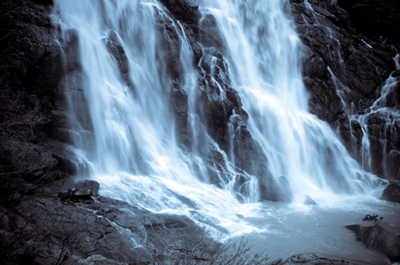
x,y
296,144
363,124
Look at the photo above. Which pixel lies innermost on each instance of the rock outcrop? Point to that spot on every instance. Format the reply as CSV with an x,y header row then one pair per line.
x,y
349,75
392,192
31,112
37,227
379,238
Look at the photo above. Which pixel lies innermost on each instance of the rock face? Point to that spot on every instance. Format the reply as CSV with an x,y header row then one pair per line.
x,y
40,228
378,238
218,104
31,112
91,185
350,76
392,192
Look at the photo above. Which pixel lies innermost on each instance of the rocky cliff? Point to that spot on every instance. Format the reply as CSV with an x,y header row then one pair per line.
x,y
352,74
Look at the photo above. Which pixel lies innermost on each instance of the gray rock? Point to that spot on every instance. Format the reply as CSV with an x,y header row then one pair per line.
x,y
87,187
378,238
250,157
392,192
358,67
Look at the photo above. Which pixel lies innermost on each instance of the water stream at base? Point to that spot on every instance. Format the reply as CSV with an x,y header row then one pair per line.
x,y
294,229
124,129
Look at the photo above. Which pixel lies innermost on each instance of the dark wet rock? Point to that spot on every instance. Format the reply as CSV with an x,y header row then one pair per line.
x,y
332,42
309,201
373,17
31,68
184,11
393,160
384,137
189,15
286,189
218,100
250,157
114,46
345,69
379,238
92,185
74,231
44,2
170,47
371,217
248,153
179,102
210,36
392,192
83,192
44,75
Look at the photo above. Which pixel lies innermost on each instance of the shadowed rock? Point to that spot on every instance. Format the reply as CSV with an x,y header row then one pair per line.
x,y
344,71
91,185
392,192
378,238
250,157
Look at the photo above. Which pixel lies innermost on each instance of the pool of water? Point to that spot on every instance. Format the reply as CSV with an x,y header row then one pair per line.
x,y
290,229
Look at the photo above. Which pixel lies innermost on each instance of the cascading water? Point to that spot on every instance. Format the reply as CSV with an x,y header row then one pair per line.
x,y
381,108
265,54
124,92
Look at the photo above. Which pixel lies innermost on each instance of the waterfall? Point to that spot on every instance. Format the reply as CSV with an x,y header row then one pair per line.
x,y
137,119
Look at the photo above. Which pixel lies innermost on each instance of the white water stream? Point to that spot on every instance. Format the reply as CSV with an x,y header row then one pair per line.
x,y
124,128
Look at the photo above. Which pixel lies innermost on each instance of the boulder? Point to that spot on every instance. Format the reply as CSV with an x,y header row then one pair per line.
x,y
87,186
392,192
379,238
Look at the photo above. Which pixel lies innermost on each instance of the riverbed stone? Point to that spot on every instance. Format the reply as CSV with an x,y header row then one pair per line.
x,y
92,185
392,192
379,238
